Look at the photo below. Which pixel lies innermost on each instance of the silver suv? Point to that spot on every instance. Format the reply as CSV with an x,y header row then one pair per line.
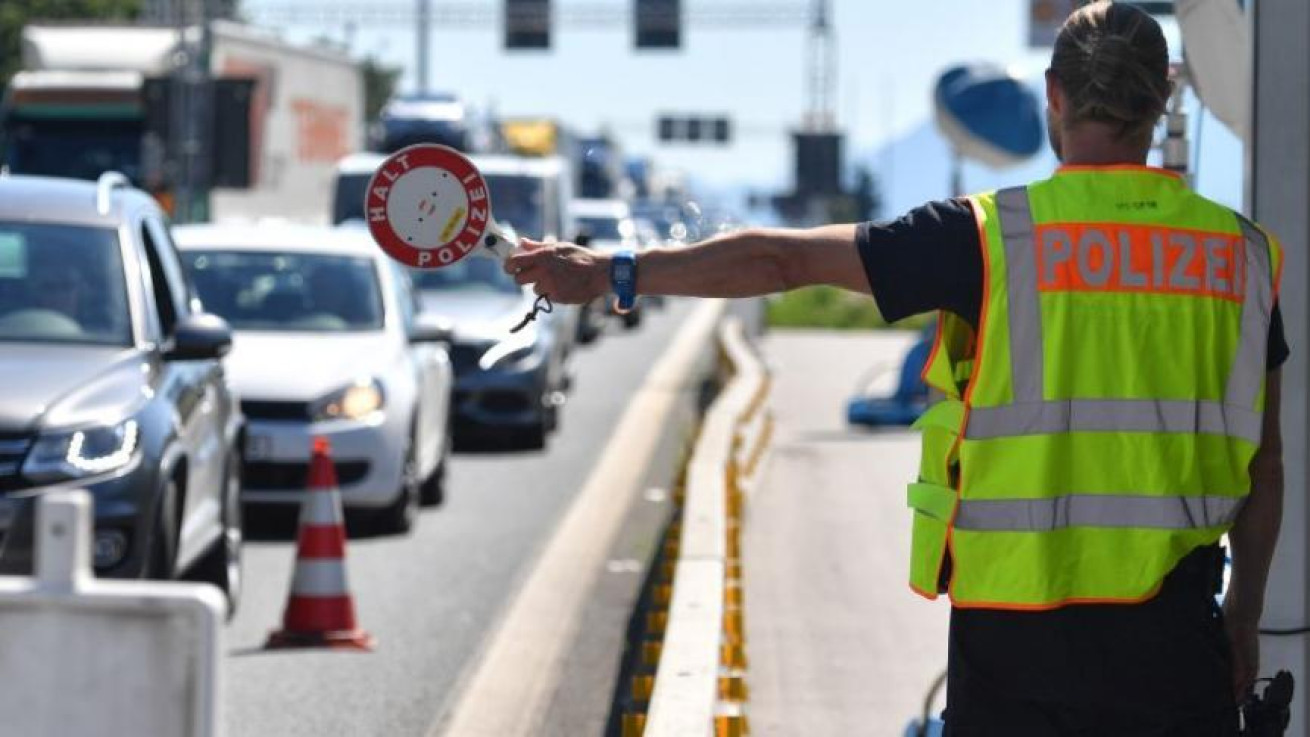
x,y
113,383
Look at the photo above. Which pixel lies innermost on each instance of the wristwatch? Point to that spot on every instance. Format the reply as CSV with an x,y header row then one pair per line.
x,y
623,279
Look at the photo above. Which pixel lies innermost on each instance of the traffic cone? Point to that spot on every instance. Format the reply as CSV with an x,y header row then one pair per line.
x,y
320,611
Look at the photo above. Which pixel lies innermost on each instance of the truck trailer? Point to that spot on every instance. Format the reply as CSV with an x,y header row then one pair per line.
x,y
95,98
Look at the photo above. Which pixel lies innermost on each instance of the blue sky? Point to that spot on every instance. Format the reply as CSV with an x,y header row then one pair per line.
x,y
890,53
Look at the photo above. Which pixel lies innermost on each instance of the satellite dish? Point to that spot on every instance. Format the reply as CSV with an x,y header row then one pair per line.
x,y
1217,59
988,115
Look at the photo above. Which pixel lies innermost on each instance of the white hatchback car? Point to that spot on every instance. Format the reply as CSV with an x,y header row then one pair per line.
x,y
328,342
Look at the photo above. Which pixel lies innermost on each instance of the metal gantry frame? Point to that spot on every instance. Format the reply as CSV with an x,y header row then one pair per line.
x,y
813,15
472,14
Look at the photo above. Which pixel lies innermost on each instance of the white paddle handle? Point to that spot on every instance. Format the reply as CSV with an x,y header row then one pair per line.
x,y
500,240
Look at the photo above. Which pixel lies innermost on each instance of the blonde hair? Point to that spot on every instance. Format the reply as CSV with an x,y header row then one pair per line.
x,y
1112,62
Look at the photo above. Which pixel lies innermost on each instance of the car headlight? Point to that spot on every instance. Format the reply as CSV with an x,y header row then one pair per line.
x,y
81,453
509,351
353,402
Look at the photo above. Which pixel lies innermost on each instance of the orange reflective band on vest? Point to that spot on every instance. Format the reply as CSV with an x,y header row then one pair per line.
x,y
1092,257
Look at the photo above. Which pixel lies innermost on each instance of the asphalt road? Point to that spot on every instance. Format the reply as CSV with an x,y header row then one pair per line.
x,y
837,642
430,598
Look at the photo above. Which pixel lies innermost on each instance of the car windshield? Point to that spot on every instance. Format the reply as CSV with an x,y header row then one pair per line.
x,y
605,228
78,148
348,198
473,274
62,283
518,201
290,292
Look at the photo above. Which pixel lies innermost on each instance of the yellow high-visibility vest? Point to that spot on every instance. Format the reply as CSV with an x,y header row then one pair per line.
x,y
1114,397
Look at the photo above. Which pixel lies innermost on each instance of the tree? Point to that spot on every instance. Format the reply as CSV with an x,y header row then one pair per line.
x,y
379,85
14,14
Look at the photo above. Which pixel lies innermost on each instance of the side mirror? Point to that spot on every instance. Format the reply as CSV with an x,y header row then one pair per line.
x,y
429,328
198,337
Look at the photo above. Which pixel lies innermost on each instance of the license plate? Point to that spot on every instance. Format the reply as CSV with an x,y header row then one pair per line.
x,y
258,447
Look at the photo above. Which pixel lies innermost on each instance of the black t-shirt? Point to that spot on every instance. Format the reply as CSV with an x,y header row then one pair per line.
x,y
931,259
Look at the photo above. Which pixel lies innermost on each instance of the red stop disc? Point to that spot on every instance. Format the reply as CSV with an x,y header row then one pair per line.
x,y
427,206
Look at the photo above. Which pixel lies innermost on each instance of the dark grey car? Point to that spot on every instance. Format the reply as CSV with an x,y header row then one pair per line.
x,y
509,386
112,382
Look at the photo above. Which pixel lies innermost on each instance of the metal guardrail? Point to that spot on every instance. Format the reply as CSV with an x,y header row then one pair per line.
x,y
695,642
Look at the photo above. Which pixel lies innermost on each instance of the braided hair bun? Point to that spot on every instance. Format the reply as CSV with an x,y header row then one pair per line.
x,y
1112,62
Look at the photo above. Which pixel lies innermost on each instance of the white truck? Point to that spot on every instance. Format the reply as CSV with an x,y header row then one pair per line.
x,y
95,98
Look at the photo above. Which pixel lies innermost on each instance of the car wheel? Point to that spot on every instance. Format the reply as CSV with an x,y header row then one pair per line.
x,y
398,517
221,565
589,326
533,437
433,491
161,558
551,420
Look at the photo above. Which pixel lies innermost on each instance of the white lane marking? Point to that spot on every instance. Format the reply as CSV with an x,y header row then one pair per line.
x,y
508,693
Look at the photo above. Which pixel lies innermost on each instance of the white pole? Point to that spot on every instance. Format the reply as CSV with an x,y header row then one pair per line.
x,y
423,26
1278,161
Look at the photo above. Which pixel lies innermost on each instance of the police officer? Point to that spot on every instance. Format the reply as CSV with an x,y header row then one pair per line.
x,y
1109,351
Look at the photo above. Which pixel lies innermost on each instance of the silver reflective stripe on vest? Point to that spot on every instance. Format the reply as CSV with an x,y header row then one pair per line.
x,y
1248,372
1017,234
1031,414
1114,415
1097,510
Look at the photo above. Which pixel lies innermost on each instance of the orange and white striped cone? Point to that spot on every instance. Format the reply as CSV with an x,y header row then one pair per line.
x,y
320,611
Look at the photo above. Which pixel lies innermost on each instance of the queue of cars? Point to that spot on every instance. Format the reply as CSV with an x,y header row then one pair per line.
x,y
510,387
180,374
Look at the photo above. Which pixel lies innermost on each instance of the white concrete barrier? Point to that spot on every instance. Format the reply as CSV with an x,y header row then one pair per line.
x,y
699,657
83,656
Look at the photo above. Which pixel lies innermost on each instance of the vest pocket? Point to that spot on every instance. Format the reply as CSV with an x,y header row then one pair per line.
x,y
940,426
932,497
932,507
933,500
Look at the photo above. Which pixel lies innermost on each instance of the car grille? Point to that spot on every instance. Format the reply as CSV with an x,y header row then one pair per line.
x,y
262,410
13,449
505,401
464,356
271,475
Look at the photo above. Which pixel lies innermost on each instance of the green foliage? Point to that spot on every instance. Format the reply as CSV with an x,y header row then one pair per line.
x,y
14,14
832,308
379,86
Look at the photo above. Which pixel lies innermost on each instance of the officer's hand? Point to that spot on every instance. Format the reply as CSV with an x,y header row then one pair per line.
x,y
568,274
1244,641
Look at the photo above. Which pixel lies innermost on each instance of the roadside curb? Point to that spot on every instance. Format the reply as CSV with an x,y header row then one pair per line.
x,y
691,674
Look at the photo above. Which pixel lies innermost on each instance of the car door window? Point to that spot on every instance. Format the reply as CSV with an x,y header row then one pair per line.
x,y
166,281
179,286
406,299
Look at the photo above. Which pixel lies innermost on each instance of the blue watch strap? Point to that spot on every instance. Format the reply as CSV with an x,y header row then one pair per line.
x,y
623,278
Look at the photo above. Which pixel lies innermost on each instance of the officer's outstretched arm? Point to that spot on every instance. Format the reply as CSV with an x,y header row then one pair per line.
x,y
746,263
1254,537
